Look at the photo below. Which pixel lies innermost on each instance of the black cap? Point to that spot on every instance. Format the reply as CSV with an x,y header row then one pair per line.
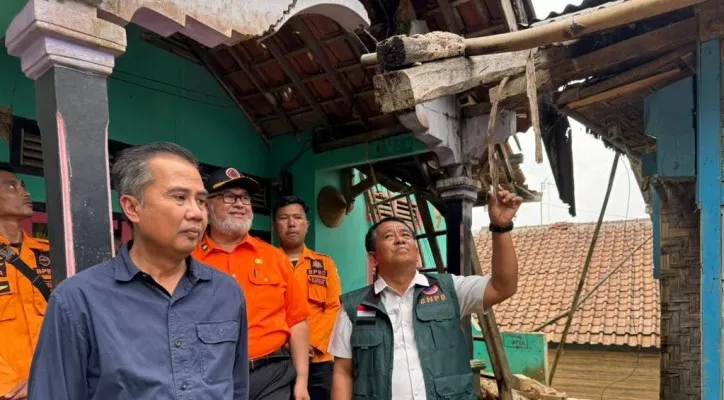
x,y
229,178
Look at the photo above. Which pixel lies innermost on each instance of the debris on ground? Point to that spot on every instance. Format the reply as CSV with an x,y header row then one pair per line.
x,y
530,389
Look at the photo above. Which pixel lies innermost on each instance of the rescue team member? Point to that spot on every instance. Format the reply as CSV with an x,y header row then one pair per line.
x,y
401,338
22,305
278,309
317,274
150,323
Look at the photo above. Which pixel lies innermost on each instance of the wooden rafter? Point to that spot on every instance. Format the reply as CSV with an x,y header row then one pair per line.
x,y
308,79
509,14
627,88
522,13
633,74
204,57
275,50
258,83
334,77
332,39
306,109
448,10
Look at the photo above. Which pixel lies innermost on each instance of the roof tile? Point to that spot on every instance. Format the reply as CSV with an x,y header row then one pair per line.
x,y
625,310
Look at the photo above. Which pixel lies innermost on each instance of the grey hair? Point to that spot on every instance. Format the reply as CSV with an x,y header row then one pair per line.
x,y
130,173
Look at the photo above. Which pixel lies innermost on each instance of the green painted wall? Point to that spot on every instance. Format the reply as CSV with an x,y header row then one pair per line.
x,y
311,172
9,9
155,95
527,353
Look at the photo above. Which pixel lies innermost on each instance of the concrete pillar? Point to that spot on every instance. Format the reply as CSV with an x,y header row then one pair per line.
x,y
459,194
69,52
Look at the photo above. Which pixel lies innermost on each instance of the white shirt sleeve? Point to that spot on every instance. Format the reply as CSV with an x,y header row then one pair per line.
x,y
470,291
340,345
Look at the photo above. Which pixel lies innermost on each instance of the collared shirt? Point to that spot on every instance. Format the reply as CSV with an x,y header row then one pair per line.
x,y
407,378
317,275
112,332
276,302
22,308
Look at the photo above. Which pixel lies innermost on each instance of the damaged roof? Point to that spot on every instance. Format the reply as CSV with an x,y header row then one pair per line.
x,y
624,311
586,6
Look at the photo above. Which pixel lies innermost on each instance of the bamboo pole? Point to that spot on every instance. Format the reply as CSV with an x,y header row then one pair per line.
x,y
586,265
566,28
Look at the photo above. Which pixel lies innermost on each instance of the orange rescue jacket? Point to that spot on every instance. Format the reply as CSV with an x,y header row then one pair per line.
x,y
22,308
318,276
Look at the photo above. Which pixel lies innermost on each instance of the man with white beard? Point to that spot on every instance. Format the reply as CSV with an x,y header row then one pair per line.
x,y
277,307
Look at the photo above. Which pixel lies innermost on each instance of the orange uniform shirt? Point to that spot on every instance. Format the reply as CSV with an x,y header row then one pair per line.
x,y
318,276
22,308
274,300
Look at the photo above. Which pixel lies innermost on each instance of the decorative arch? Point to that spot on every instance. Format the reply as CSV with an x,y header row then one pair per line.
x,y
216,22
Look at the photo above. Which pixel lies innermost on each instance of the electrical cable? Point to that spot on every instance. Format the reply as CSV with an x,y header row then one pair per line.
x,y
633,288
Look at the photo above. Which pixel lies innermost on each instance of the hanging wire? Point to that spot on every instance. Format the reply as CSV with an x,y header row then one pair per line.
x,y
633,287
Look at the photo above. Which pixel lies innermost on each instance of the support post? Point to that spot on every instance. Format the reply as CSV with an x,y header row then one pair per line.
x,y
459,194
69,52
708,189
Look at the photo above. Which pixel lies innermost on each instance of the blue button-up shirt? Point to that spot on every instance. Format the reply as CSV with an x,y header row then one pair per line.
x,y
111,332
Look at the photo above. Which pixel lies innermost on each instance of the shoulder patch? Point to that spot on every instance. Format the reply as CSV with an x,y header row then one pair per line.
x,y
318,254
317,264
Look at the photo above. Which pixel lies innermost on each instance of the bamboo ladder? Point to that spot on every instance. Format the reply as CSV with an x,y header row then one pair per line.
x,y
382,204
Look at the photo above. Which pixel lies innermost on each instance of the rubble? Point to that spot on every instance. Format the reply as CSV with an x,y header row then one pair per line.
x,y
529,390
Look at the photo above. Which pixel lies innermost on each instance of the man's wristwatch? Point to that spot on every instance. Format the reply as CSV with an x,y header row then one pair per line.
x,y
497,229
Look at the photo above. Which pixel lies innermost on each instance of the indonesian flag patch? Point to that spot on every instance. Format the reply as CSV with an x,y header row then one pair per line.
x,y
364,312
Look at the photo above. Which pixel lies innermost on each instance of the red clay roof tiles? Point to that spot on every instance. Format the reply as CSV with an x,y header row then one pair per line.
x,y
625,310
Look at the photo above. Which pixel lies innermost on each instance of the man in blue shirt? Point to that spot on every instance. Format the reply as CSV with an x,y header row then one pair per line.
x,y
151,323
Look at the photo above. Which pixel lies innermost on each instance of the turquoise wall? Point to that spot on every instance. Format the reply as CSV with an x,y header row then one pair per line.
x,y
154,95
311,172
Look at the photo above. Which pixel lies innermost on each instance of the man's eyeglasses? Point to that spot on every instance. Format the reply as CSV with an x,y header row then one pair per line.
x,y
230,198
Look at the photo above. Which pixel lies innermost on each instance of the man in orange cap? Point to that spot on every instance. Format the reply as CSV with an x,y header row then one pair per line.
x,y
22,304
317,274
277,306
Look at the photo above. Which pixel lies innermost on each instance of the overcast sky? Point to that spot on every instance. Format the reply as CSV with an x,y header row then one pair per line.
x,y
591,164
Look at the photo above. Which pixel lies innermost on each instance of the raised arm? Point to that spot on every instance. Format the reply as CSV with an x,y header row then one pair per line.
x,y
504,275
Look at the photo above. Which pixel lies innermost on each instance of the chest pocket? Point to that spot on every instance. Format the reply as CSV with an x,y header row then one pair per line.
x,y
267,288
439,317
217,349
39,302
317,279
368,361
8,302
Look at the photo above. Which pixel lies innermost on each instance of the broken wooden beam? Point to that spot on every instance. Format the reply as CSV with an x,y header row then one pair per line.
x,y
636,73
399,90
566,29
626,89
509,14
400,51
679,36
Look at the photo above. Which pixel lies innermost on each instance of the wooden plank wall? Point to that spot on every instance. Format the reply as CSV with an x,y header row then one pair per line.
x,y
585,373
